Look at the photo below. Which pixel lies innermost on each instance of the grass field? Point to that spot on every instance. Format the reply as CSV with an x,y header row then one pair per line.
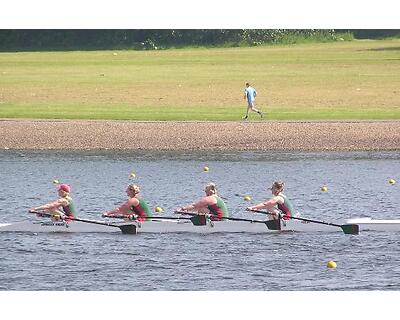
x,y
353,80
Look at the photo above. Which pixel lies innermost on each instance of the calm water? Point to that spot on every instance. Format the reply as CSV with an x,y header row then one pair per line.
x,y
357,182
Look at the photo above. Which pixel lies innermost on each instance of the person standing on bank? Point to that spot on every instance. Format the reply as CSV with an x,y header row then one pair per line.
x,y
250,95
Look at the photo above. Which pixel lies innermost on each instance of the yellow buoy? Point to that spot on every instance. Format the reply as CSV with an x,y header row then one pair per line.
x,y
331,264
324,188
392,181
206,169
246,198
55,181
158,209
133,175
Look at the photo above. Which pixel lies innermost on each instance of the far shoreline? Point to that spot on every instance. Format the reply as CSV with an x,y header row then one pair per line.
x,y
207,136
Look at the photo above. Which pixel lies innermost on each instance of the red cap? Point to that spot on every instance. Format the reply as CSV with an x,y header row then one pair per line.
x,y
64,187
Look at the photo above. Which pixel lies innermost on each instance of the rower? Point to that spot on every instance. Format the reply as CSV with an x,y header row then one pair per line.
x,y
135,206
278,205
211,204
63,208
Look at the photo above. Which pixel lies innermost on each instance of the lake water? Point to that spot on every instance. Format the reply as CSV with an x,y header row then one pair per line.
x,y
357,186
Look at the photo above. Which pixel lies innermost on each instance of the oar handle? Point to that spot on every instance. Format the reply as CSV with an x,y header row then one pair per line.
x,y
189,213
121,216
263,212
40,213
151,218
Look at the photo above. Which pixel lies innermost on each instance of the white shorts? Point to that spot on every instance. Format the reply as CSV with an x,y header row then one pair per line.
x,y
250,104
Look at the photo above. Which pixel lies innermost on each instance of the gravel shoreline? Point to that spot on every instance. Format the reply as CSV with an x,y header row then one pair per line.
x,y
211,136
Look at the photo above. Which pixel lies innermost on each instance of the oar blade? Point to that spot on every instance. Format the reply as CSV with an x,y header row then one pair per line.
x,y
350,228
128,228
273,224
199,220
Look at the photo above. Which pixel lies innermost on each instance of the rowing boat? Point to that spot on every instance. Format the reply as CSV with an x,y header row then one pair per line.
x,y
55,226
369,224
166,226
160,225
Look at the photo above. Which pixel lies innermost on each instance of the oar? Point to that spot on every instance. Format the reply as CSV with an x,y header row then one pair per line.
x,y
125,228
347,228
196,221
269,223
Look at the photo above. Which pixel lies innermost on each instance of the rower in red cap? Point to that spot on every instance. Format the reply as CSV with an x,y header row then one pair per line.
x,y
62,208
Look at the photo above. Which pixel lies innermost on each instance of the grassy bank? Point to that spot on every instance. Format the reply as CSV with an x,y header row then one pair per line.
x,y
344,80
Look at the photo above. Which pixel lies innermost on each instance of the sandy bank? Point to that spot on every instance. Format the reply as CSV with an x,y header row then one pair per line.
x,y
266,135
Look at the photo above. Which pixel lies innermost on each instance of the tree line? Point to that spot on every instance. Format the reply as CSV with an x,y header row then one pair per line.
x,y
152,39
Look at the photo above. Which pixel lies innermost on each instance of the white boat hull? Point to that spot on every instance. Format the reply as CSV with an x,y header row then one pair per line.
x,y
365,224
182,226
165,226
59,226
160,226
368,224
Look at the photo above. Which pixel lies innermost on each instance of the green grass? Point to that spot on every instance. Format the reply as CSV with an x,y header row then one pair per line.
x,y
347,80
125,112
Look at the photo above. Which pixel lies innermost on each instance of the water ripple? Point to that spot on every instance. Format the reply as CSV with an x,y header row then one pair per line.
x,y
357,183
